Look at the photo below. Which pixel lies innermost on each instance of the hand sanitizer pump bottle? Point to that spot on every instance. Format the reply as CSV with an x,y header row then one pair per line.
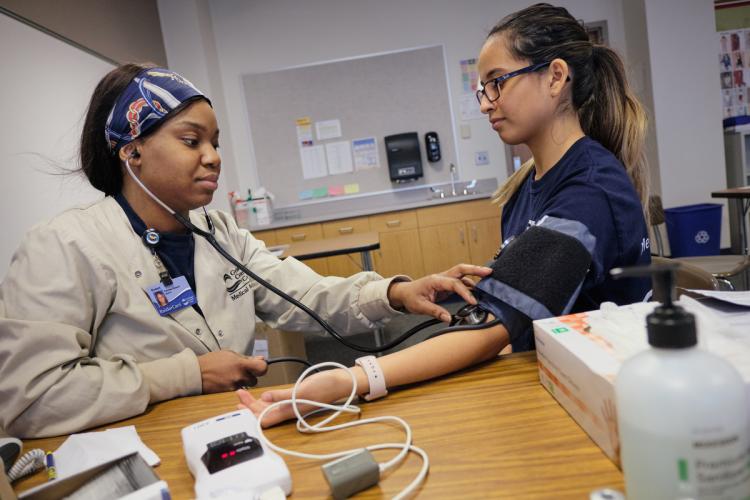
x,y
682,411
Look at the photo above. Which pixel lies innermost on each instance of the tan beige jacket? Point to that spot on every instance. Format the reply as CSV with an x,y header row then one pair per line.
x,y
82,345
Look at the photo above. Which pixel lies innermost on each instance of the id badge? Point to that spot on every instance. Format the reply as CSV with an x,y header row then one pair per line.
x,y
168,299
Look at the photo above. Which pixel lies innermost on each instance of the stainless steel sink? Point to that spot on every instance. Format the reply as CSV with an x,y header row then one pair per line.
x,y
451,190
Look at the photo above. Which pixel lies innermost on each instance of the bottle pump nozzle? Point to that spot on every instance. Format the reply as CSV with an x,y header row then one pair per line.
x,y
669,326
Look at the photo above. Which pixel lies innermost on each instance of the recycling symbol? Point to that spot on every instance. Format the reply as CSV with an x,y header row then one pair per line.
x,y
702,237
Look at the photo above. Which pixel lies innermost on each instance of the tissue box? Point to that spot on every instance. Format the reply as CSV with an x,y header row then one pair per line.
x,y
579,356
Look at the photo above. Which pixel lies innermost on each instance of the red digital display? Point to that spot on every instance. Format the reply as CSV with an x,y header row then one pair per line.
x,y
231,450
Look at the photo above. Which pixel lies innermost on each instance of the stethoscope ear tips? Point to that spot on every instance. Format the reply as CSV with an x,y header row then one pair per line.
x,y
151,237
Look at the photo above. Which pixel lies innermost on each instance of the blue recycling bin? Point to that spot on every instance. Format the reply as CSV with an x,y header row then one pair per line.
x,y
694,230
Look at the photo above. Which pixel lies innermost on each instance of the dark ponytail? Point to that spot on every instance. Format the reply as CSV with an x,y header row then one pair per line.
x,y
607,109
98,163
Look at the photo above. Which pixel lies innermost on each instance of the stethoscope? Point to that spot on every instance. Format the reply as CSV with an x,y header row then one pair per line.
x,y
469,317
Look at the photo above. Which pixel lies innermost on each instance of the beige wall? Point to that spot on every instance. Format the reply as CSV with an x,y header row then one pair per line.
x,y
120,31
639,72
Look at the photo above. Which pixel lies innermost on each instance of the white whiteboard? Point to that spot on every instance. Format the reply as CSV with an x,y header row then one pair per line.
x,y
44,91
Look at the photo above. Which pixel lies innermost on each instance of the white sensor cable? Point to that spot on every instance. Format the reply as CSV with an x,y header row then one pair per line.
x,y
304,427
146,190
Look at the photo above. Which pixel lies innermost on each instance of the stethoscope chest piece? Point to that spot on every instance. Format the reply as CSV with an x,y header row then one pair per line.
x,y
469,315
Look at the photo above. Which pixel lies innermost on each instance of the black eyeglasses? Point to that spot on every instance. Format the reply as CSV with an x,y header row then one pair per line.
x,y
491,89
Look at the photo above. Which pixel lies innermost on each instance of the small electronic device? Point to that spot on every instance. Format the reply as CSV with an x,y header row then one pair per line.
x,y
432,145
404,156
228,458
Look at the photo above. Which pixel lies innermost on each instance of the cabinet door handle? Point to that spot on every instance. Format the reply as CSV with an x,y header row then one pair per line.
x,y
393,223
461,236
298,236
474,234
346,230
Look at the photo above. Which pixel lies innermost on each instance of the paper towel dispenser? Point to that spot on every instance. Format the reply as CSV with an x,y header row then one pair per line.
x,y
404,156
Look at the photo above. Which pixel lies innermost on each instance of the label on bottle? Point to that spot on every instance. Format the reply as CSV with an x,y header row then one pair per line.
x,y
719,467
711,465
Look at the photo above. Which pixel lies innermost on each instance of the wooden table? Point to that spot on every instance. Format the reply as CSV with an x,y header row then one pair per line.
x,y
363,243
490,431
739,202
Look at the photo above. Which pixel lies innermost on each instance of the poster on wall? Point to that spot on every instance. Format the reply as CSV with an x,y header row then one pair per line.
x,y
734,75
365,153
304,132
469,105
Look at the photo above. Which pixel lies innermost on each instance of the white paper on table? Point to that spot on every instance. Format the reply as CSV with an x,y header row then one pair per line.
x,y
365,153
736,298
339,156
328,129
470,108
728,317
88,449
313,162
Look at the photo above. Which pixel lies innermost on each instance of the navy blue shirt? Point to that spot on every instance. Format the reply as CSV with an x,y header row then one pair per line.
x,y
589,185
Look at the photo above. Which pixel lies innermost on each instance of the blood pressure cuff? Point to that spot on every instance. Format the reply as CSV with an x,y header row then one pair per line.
x,y
538,274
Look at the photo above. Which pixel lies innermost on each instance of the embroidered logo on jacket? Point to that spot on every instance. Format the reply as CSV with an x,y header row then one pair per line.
x,y
237,283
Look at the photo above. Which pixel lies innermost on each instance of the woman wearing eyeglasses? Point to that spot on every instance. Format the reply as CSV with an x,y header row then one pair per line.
x,y
544,84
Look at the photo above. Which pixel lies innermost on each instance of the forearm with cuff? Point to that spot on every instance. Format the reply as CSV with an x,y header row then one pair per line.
x,y
517,323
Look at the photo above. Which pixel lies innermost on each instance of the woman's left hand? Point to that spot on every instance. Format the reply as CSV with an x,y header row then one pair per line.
x,y
419,296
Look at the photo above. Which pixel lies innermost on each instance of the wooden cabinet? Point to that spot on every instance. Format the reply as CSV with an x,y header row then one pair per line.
x,y
400,248
345,265
413,242
305,232
456,212
458,232
268,237
484,239
444,246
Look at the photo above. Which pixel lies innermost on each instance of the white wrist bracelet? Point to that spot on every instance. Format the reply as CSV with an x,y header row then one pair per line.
x,y
375,377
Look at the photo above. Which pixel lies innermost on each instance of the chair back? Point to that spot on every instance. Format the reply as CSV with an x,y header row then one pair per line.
x,y
687,276
656,218
656,210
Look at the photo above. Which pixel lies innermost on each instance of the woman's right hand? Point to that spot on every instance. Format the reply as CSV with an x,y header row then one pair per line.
x,y
223,371
325,387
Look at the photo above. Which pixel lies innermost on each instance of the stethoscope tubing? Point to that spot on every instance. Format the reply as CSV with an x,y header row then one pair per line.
x,y
209,236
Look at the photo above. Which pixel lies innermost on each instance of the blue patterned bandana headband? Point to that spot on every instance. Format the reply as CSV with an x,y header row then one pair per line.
x,y
147,99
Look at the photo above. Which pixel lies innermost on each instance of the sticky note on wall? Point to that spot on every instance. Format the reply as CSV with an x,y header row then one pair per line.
x,y
306,195
335,190
351,188
320,192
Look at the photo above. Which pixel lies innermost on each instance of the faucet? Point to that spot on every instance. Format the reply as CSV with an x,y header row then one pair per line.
x,y
437,193
453,179
469,188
